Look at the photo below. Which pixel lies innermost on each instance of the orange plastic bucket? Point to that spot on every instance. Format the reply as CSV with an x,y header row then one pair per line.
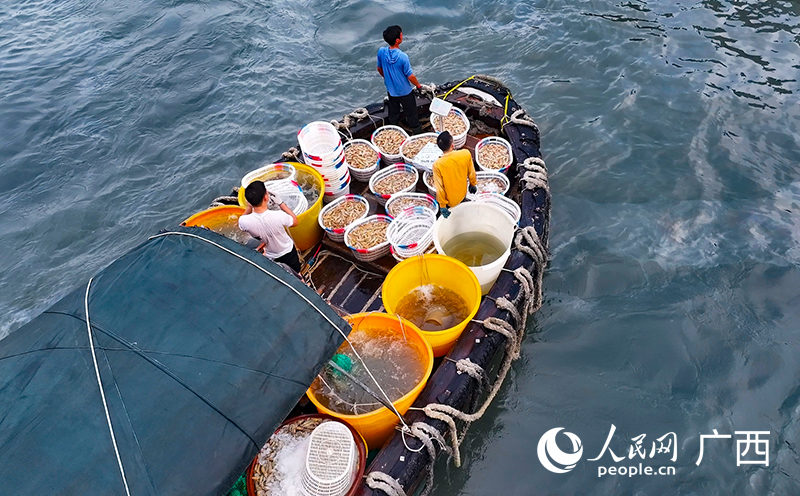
x,y
223,220
377,425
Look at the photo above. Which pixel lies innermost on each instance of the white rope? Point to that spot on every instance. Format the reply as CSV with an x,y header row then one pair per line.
x,y
298,293
521,118
529,299
348,120
528,242
447,414
467,366
384,482
534,174
102,392
490,79
426,434
293,153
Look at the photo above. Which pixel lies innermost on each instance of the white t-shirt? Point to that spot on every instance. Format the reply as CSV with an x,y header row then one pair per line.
x,y
269,228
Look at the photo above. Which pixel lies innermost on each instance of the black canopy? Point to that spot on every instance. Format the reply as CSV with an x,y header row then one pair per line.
x,y
203,347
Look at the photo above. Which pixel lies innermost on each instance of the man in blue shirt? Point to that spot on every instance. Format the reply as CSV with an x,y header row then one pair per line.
x,y
394,66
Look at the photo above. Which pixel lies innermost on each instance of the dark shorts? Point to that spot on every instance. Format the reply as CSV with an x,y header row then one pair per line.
x,y
291,259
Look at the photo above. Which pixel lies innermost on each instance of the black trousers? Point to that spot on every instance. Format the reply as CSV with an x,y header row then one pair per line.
x,y
291,259
409,105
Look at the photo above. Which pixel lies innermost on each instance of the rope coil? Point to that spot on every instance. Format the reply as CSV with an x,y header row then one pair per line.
x,y
348,120
384,482
292,153
534,174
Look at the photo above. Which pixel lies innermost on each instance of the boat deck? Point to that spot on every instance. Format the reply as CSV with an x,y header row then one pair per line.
x,y
349,285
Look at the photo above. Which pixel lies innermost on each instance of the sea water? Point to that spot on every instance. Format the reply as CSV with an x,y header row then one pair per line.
x,y
433,308
396,363
474,248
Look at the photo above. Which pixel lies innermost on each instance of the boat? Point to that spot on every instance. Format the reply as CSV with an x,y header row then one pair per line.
x,y
351,286
148,352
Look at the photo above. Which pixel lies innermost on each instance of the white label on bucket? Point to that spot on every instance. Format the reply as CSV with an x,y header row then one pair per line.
x,y
428,155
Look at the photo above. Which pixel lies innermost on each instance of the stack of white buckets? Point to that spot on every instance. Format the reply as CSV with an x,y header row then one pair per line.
x,y
323,150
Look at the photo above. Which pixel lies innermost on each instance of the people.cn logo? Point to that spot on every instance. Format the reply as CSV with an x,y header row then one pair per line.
x,y
551,456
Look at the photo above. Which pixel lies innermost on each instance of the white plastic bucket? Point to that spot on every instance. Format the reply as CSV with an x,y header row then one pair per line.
x,y
389,171
319,141
364,174
484,175
430,202
504,202
368,254
291,193
334,192
493,140
427,178
334,164
411,160
473,217
388,159
270,172
459,140
411,232
337,235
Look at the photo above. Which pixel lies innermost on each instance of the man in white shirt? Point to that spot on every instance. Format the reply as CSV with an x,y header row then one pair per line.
x,y
270,225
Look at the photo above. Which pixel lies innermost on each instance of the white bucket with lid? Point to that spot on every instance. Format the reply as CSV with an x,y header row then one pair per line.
x,y
481,217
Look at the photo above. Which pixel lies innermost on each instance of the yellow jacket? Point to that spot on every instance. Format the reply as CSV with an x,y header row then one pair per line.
x,y
450,174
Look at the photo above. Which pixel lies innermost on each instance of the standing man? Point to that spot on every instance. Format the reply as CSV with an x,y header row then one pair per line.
x,y
399,78
270,225
451,173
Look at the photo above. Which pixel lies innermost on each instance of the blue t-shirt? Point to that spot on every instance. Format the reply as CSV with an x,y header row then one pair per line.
x,y
396,70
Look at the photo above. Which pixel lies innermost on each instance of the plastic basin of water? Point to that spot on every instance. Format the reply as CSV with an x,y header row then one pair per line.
x,y
474,217
376,426
216,217
442,271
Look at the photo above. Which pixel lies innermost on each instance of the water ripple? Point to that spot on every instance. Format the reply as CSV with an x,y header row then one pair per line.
x,y
670,130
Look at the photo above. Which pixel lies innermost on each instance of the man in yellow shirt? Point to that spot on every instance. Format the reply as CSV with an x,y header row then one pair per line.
x,y
451,172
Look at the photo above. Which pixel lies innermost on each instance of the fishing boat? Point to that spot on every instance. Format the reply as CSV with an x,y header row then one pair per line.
x,y
353,286
172,367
